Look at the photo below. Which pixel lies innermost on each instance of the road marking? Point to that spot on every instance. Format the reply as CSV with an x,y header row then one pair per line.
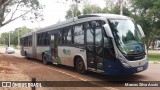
x,y
82,79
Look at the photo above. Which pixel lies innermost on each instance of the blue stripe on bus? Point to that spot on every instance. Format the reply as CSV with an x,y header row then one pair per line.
x,y
115,68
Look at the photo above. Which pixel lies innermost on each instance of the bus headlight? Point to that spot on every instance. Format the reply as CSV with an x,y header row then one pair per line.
x,y
123,62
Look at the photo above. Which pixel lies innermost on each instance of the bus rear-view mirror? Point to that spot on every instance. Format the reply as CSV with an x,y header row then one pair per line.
x,y
108,31
141,30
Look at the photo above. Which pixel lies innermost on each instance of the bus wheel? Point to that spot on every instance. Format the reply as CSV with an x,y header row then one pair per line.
x,y
80,67
44,60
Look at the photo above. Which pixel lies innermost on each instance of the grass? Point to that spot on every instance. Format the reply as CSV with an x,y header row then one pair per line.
x,y
154,57
4,46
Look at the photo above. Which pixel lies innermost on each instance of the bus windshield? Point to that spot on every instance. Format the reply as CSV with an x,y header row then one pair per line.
x,y
127,36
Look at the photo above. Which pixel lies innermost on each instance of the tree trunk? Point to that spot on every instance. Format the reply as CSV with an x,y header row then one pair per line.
x,y
153,44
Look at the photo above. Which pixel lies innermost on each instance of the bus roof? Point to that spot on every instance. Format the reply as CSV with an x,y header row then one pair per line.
x,y
73,20
28,34
108,16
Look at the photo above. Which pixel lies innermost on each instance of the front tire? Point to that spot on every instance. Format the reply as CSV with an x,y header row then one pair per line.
x,y
80,66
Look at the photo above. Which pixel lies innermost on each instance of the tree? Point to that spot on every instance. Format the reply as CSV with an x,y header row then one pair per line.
x,y
109,4
116,10
4,38
10,10
105,10
14,36
72,12
148,15
90,9
21,31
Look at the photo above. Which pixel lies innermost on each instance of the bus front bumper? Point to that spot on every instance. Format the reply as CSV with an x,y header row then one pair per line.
x,y
115,68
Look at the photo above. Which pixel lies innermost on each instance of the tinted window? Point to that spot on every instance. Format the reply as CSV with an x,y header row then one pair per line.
x,y
69,36
29,41
43,39
98,34
78,34
64,35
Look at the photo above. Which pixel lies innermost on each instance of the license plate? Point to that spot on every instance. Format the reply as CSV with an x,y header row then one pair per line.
x,y
139,68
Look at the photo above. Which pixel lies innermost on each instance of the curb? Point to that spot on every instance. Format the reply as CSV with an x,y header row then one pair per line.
x,y
155,62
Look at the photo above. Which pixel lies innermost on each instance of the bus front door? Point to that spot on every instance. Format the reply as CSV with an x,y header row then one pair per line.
x,y
54,47
94,48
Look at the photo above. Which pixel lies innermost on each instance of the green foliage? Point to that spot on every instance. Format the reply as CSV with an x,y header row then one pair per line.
x,y
154,57
90,9
116,10
4,39
105,10
9,9
148,15
72,12
21,31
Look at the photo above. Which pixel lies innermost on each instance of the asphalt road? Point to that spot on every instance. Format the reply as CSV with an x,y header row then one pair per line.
x,y
35,69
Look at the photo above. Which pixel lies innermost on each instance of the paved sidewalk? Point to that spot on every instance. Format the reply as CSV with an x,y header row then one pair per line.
x,y
154,51
154,62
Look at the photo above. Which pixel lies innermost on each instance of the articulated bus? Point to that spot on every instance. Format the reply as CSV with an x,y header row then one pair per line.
x,y
104,43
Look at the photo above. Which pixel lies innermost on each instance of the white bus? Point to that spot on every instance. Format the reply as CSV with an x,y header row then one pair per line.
x,y
105,43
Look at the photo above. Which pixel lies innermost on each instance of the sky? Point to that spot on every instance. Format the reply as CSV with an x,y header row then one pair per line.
x,y
54,11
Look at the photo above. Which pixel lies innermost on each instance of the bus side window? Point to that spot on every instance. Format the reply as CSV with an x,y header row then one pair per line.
x,y
26,41
43,39
69,36
64,35
78,34
46,39
39,39
30,40
60,37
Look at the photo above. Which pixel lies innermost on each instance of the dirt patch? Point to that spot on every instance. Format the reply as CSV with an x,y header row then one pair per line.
x,y
4,63
6,70
9,72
